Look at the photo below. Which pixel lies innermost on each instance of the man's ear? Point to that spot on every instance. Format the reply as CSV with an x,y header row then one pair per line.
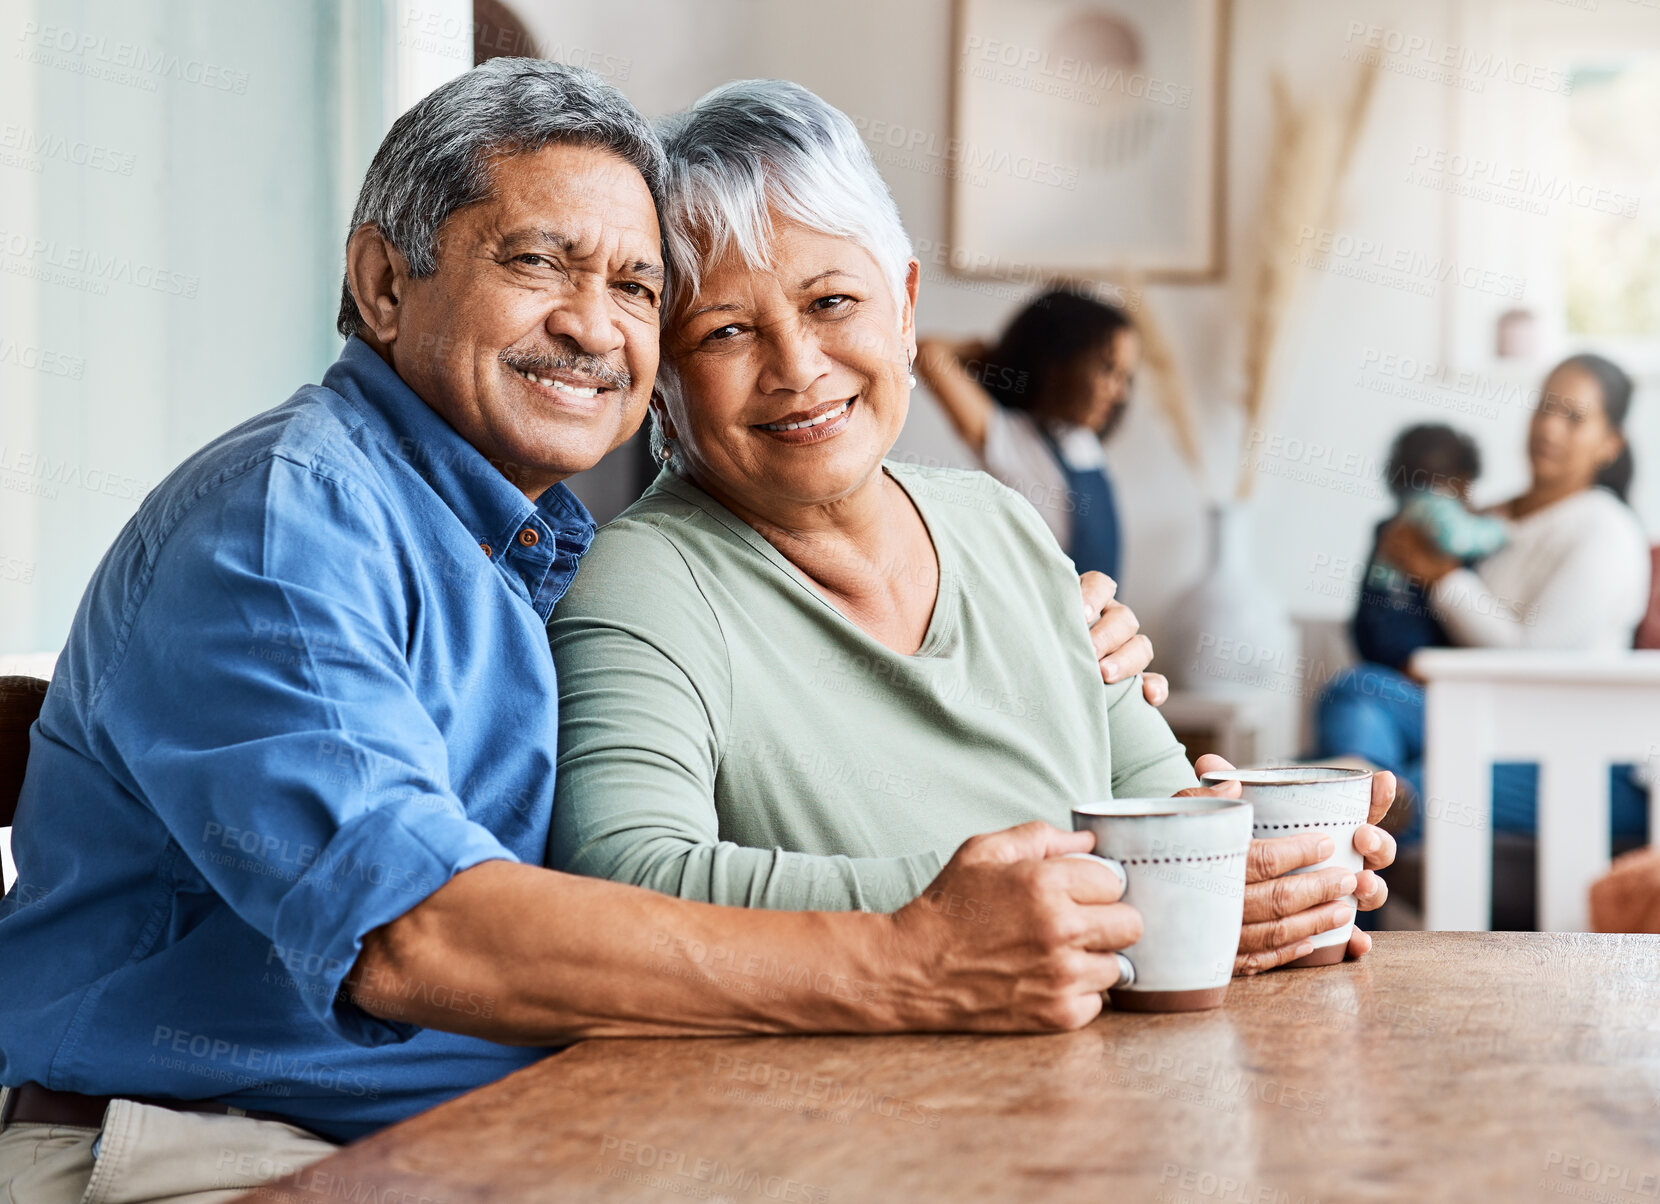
x,y
377,274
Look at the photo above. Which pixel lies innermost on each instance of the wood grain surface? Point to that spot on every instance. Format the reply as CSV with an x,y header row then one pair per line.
x,y
1443,1066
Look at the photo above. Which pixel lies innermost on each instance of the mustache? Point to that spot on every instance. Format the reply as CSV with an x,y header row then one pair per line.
x,y
569,359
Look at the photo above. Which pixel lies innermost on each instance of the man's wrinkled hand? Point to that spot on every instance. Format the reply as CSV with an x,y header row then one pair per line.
x,y
1120,648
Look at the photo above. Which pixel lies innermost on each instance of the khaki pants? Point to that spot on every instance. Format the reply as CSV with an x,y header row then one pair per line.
x,y
149,1155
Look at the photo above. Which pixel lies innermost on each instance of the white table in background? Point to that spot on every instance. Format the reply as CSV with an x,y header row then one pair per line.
x,y
1572,713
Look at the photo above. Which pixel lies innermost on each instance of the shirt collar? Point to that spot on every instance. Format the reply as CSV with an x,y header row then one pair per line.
x,y
535,546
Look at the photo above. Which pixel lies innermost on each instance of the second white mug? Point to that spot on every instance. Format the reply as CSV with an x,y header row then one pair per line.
x,y
1292,799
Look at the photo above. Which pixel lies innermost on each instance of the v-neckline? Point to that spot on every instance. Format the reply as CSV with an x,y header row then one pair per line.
x,y
942,621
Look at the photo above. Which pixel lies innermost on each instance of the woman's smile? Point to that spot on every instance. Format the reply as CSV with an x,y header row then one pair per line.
x,y
811,426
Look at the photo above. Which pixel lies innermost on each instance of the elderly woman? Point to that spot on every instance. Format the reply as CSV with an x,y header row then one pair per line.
x,y
795,674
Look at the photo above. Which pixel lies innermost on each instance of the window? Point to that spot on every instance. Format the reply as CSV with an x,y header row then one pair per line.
x,y
1609,232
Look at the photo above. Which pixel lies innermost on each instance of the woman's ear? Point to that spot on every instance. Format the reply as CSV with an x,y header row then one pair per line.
x,y
660,412
913,280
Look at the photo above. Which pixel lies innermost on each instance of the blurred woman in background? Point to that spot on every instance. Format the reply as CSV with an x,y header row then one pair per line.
x,y
1574,575
1036,407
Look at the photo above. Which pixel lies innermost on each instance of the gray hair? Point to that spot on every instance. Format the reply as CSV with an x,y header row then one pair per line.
x,y
436,158
746,151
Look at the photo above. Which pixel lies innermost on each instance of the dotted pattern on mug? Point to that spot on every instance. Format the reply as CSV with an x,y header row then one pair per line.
x,y
1308,824
1179,860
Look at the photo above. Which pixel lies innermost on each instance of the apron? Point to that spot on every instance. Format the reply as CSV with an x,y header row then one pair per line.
x,y
1095,542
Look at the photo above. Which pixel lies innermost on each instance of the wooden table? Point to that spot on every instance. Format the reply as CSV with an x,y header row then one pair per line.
x,y
1444,1066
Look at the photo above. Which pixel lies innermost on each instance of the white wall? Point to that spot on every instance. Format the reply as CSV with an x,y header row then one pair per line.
x,y
1314,506
243,196
175,182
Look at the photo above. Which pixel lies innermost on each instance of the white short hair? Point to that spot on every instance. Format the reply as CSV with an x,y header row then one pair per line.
x,y
751,149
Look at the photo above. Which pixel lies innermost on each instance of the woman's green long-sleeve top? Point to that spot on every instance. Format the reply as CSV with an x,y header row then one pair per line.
x,y
727,735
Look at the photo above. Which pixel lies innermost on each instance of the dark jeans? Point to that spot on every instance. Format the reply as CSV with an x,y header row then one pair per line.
x,y
1373,712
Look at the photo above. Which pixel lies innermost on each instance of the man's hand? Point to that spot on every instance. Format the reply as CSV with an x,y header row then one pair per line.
x,y
1014,936
1120,647
1283,910
1010,937
1627,897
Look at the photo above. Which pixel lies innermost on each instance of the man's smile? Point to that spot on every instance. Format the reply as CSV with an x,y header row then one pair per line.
x,y
563,383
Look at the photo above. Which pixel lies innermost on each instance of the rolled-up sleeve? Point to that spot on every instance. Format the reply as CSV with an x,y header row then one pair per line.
x,y
1147,759
264,707
1592,596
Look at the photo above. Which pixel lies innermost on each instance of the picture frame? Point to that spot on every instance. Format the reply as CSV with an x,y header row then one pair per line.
x,y
1064,111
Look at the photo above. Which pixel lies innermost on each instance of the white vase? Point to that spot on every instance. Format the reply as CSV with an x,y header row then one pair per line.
x,y
1229,634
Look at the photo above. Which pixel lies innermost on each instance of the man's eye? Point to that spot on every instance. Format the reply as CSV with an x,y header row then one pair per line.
x,y
635,289
533,259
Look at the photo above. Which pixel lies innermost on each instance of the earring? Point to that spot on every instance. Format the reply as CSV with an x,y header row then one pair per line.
x,y
666,454
909,374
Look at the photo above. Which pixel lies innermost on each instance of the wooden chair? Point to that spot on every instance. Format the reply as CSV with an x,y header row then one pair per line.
x,y
20,702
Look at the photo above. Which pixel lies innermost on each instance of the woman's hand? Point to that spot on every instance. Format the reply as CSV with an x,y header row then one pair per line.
x,y
1406,547
1283,910
1120,648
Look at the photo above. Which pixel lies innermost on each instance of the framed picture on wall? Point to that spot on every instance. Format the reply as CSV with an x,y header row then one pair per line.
x,y
1088,138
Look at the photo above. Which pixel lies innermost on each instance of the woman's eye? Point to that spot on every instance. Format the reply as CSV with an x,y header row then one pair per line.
x,y
836,301
721,333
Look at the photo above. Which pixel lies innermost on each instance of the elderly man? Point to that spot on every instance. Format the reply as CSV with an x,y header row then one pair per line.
x,y
291,789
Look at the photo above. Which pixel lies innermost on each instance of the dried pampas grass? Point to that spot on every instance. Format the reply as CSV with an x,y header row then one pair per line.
x,y
1159,358
1309,154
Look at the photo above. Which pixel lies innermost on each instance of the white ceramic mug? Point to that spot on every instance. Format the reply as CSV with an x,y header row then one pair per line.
x,y
1182,861
1292,799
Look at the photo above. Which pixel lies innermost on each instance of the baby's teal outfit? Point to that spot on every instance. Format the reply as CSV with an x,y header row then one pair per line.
x,y
1452,527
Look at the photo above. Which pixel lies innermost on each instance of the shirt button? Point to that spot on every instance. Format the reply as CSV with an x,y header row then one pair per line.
x,y
485,548
528,537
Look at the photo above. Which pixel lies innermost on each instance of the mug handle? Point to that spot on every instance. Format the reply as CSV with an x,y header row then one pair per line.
x,y
1126,968
1115,866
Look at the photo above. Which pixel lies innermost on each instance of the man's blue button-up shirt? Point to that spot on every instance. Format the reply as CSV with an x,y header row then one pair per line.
x,y
308,684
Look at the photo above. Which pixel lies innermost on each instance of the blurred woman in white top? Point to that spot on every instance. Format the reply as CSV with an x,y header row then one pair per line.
x,y
1575,573
1574,576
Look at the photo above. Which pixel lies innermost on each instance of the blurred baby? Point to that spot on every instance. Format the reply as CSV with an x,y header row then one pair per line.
x,y
1431,468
